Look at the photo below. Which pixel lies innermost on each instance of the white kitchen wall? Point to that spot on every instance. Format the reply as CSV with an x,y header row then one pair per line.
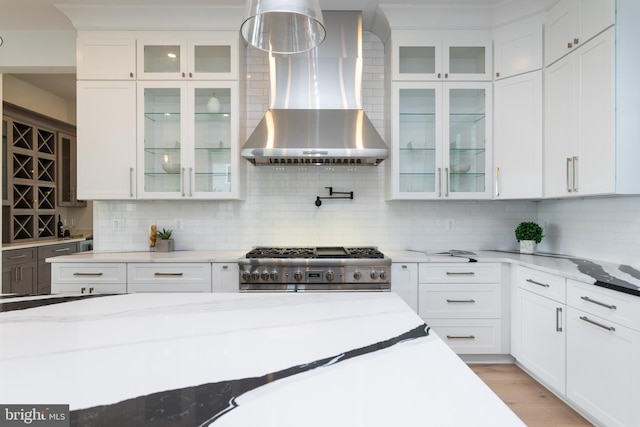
x,y
279,208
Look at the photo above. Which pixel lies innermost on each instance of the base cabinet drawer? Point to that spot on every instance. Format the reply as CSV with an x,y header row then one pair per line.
x,y
478,336
479,300
460,272
169,277
88,273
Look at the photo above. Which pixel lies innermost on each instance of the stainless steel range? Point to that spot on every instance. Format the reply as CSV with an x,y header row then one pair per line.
x,y
314,269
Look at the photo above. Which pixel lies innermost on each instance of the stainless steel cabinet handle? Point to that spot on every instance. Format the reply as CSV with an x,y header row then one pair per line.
x,y
183,172
18,256
404,267
609,306
558,318
568,175
439,183
90,290
131,182
460,273
461,337
225,267
82,290
471,301
600,325
87,274
190,182
62,250
574,161
446,176
168,274
538,283
497,182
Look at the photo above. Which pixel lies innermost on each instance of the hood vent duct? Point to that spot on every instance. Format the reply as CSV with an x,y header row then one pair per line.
x,y
315,115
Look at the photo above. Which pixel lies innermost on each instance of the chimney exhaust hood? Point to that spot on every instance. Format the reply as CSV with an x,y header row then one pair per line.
x,y
315,115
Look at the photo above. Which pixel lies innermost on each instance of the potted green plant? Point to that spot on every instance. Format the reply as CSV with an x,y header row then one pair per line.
x,y
164,242
529,234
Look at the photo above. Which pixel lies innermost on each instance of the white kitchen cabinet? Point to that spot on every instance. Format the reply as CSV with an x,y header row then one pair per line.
x,y
169,277
602,353
89,278
187,55
188,140
462,302
518,143
226,277
428,55
106,55
571,23
441,140
580,121
404,282
518,47
539,326
106,140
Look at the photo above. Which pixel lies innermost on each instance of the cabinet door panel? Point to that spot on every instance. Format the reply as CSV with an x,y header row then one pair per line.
x,y
596,16
562,26
106,140
518,136
601,377
596,161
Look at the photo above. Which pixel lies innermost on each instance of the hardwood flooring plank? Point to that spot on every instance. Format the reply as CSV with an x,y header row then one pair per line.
x,y
534,404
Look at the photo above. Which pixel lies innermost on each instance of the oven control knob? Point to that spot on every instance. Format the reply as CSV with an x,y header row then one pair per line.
x,y
297,276
264,275
255,275
274,275
245,276
383,275
373,275
357,275
330,276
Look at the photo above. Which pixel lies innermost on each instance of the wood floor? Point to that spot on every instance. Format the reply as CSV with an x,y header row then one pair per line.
x,y
533,403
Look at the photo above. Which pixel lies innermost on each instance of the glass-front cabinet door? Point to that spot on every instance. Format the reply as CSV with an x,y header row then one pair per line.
x,y
188,141
440,141
467,136
198,57
416,139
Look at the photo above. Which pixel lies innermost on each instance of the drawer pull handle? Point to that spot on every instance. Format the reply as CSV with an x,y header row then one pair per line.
x,y
461,337
62,250
82,290
462,300
90,290
168,274
544,285
608,328
610,307
558,318
18,256
460,273
87,274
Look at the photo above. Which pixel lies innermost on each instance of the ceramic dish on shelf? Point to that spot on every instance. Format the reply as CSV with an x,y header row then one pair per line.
x,y
461,168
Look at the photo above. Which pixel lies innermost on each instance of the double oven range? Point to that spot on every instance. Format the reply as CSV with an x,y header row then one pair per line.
x,y
314,269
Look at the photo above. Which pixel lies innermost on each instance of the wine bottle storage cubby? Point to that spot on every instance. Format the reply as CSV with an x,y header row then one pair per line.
x,y
30,204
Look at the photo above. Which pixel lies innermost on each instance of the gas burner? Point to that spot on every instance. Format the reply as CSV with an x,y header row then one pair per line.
x,y
364,252
271,252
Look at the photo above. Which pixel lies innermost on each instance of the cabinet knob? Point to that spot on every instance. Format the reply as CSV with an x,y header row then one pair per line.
x,y
439,75
576,41
446,75
190,75
225,267
183,75
131,74
497,74
569,45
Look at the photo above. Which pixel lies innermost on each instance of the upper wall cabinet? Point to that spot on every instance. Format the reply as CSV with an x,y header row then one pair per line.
x,y
187,56
428,56
518,47
106,55
571,23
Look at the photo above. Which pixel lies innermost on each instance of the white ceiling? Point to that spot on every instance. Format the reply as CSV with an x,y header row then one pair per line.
x,y
43,15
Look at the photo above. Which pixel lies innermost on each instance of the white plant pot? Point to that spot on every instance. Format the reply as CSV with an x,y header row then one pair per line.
x,y
528,247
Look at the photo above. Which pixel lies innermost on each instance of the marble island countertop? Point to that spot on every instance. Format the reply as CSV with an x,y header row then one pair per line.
x,y
337,359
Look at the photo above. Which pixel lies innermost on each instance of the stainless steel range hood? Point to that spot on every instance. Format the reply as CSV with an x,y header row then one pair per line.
x,y
315,114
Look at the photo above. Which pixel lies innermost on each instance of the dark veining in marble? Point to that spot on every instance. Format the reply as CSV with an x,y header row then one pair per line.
x,y
630,271
203,404
23,305
603,278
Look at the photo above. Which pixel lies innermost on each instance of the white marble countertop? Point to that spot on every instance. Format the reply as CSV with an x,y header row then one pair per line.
x,y
175,256
35,244
285,360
